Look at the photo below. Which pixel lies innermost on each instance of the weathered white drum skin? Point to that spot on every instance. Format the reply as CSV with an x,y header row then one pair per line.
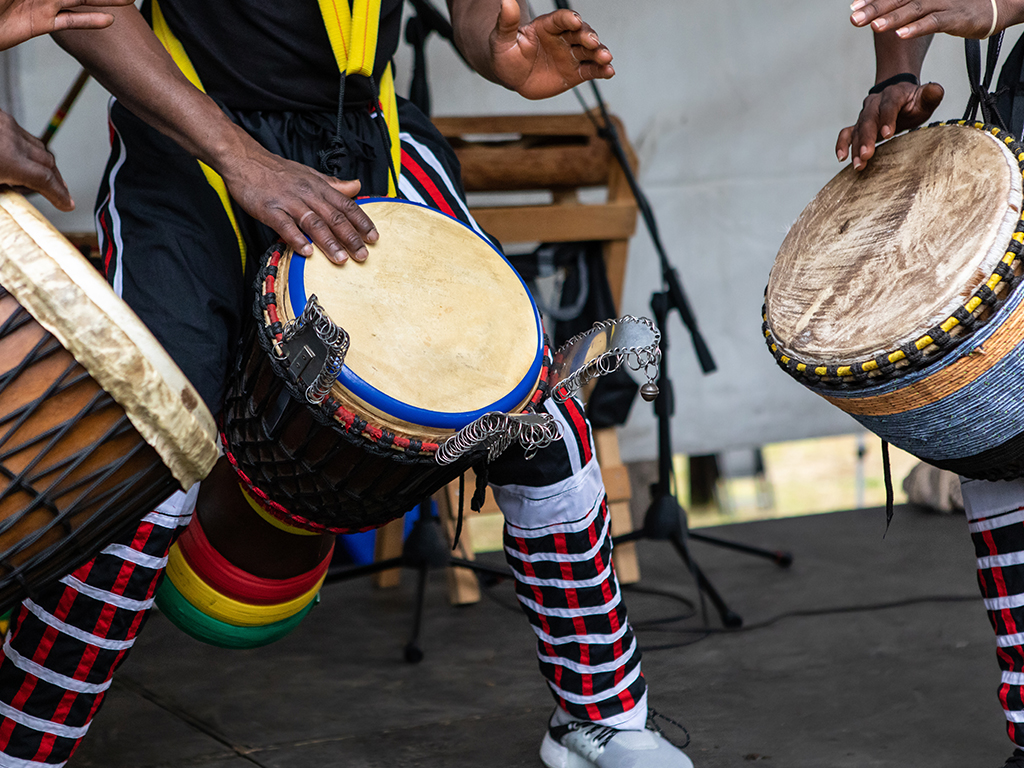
x,y
881,256
437,319
70,299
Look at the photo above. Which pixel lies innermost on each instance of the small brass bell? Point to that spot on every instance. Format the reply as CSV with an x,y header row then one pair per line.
x,y
649,391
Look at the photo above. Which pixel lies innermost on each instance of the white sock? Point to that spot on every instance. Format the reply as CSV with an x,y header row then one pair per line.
x,y
633,720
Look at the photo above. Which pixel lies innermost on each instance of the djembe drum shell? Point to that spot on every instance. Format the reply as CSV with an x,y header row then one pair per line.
x,y
97,424
896,296
442,331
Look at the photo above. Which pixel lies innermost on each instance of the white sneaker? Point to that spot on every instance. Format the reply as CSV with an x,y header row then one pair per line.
x,y
580,744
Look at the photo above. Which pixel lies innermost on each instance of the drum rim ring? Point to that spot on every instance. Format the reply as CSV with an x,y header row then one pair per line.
x,y
376,398
885,366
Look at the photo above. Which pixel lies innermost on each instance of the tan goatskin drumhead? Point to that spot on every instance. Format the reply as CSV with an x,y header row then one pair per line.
x,y
881,256
68,297
437,319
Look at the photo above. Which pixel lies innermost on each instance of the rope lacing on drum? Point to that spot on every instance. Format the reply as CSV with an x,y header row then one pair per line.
x,y
476,503
344,144
887,476
382,128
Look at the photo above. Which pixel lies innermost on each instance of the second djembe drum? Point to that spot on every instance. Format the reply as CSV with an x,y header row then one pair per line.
x,y
896,296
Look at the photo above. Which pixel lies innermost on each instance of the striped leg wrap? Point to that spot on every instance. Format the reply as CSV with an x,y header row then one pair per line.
x,y
995,514
63,647
558,543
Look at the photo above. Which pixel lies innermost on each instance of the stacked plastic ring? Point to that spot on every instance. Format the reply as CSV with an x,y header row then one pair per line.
x,y
213,600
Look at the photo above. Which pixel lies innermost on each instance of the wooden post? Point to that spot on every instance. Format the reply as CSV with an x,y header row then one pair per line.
x,y
388,544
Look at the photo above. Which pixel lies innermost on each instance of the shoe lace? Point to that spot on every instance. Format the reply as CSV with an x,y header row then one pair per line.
x,y
654,715
599,734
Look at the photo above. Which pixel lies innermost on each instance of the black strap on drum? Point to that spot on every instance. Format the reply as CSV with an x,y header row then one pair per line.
x,y
887,476
479,497
980,96
1010,89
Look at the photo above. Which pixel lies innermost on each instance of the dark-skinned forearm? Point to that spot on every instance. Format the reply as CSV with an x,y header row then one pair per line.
x,y
130,62
472,22
894,55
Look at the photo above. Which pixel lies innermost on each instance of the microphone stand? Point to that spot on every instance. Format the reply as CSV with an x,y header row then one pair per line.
x,y
665,519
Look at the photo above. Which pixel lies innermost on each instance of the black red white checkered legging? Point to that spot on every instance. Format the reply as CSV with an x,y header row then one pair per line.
x,y
995,515
63,648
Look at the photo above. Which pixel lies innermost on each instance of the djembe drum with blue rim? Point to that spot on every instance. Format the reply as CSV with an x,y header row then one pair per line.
x,y
365,387
896,296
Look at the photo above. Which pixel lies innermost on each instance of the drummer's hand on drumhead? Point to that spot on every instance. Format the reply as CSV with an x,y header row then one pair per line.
x,y
549,55
916,18
898,108
295,201
24,19
27,165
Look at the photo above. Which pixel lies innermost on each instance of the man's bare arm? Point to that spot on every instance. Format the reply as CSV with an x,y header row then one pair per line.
x,y
24,161
910,19
290,198
21,20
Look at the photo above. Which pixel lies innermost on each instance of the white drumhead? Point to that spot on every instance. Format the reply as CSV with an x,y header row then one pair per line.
x,y
880,257
440,323
67,296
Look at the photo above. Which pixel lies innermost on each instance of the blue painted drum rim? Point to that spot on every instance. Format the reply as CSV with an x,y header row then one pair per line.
x,y
383,402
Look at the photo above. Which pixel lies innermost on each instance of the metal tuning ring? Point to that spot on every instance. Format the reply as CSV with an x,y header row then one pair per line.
x,y
497,431
316,349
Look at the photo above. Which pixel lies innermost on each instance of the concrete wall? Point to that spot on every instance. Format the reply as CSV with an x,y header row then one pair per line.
x,y
733,107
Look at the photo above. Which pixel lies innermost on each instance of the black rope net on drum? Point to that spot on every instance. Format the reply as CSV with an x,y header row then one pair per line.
x,y
70,481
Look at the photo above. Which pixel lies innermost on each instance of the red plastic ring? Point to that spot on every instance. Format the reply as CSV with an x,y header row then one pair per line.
x,y
230,580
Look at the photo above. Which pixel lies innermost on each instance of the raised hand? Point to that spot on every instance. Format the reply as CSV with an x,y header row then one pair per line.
x,y
26,164
916,18
898,108
24,19
547,56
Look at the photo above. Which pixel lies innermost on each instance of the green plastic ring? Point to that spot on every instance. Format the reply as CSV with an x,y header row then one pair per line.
x,y
197,624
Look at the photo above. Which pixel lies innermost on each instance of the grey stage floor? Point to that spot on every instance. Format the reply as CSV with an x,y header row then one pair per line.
x,y
881,656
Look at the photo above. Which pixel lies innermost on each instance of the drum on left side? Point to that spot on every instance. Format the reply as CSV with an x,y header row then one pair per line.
x,y
97,424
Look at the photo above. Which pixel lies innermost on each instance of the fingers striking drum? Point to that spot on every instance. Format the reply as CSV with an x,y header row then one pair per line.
x,y
896,296
97,424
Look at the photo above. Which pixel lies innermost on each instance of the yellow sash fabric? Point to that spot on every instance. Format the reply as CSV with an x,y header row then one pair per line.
x,y
174,47
353,35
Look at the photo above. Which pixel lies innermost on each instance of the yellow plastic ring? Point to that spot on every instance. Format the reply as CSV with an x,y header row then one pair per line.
x,y
259,510
228,610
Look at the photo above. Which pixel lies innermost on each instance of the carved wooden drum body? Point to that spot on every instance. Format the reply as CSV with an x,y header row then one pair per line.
x,y
364,388
97,424
896,296
438,330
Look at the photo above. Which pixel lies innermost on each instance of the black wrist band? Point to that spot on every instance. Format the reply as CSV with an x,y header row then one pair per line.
x,y
903,77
